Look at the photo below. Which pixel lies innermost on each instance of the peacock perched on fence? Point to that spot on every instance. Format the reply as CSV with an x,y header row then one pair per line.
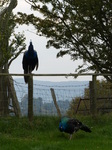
x,y
30,61
71,125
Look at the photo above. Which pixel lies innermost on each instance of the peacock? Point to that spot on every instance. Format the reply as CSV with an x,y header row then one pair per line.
x,y
71,125
30,61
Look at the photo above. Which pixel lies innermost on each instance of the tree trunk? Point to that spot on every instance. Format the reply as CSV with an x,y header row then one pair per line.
x,y
4,40
1,98
4,110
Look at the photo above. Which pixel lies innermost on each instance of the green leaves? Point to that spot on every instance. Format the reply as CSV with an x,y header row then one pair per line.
x,y
11,44
16,46
82,29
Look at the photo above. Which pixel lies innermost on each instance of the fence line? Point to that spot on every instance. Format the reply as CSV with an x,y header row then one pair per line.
x,y
60,74
56,86
93,87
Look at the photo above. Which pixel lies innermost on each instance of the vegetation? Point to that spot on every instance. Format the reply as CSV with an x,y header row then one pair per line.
x,y
104,100
81,29
43,133
11,45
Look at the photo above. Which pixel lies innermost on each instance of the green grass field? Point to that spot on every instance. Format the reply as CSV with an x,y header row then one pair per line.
x,y
43,134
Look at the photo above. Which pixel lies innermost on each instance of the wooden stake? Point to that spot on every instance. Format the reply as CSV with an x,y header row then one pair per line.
x,y
55,102
13,95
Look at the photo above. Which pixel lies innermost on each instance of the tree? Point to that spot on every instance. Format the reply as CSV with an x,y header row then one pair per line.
x,y
11,45
79,28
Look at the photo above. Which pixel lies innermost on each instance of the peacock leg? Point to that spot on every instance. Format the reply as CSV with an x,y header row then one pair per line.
x,y
70,136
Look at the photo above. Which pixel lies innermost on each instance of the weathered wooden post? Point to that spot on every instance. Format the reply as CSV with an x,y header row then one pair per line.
x,y
55,102
30,98
13,96
93,96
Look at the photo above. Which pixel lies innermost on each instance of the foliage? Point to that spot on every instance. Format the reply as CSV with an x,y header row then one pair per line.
x,y
11,43
104,99
16,46
81,29
43,134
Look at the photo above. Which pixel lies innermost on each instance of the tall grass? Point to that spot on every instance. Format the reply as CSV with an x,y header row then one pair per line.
x,y
43,134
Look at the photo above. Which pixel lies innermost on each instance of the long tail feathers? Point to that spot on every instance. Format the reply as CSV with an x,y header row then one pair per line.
x,y
25,77
85,128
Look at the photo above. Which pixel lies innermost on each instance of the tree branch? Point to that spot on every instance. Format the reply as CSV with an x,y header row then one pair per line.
x,y
16,55
8,9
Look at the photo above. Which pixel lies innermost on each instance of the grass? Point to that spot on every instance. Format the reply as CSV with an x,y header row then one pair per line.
x,y
43,134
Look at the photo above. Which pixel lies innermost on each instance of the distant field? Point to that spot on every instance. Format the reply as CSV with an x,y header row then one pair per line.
x,y
43,134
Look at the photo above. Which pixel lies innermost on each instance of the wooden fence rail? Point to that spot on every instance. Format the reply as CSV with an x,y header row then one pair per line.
x,y
59,74
93,96
86,108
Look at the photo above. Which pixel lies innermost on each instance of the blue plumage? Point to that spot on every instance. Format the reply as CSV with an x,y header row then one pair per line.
x,y
30,61
63,124
71,125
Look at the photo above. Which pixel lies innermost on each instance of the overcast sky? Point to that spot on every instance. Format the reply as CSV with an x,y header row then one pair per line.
x,y
48,63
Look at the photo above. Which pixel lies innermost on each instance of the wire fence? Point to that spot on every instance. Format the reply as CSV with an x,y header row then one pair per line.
x,y
42,98
71,96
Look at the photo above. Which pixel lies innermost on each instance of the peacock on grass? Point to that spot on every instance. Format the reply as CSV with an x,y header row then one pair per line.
x,y
71,125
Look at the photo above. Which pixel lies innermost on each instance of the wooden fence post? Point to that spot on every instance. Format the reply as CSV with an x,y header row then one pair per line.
x,y
93,96
30,98
55,102
13,96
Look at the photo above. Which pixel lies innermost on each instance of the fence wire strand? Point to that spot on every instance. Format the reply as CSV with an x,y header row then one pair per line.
x,y
43,102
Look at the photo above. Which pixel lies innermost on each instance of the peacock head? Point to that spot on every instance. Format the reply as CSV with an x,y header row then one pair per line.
x,y
61,127
30,48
